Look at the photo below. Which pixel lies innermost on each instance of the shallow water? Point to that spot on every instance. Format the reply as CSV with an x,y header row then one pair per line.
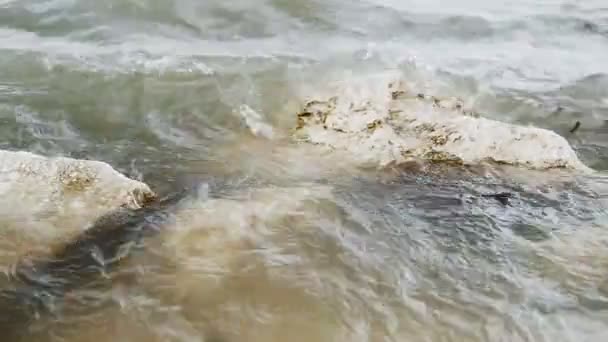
x,y
282,242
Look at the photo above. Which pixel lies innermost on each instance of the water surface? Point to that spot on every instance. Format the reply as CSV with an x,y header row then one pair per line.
x,y
286,243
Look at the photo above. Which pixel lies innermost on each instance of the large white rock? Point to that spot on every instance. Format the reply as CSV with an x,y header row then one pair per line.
x,y
380,121
60,194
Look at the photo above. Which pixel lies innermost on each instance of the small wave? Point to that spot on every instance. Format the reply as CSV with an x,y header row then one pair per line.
x,y
590,87
43,129
122,58
565,24
256,123
157,123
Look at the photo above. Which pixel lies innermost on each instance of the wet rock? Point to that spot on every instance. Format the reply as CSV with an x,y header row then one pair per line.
x,y
381,125
62,191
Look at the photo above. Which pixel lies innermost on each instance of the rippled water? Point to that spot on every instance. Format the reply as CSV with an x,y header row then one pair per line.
x,y
282,242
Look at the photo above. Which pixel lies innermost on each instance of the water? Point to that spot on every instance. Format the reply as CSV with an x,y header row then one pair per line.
x,y
285,241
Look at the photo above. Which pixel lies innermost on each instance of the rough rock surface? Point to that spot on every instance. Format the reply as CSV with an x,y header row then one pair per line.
x,y
391,124
62,191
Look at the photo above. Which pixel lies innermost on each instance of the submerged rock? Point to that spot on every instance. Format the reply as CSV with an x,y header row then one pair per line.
x,y
383,123
37,288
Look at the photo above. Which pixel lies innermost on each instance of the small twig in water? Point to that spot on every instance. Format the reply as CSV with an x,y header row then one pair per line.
x,y
576,126
502,197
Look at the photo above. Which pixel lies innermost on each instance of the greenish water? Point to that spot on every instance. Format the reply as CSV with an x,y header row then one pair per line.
x,y
290,246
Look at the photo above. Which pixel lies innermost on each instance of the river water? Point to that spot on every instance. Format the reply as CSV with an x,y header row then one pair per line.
x,y
285,243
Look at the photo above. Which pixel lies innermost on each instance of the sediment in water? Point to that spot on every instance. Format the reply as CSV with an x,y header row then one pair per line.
x,y
37,287
390,126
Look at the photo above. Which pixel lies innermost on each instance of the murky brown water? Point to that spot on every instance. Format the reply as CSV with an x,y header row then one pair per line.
x,y
281,241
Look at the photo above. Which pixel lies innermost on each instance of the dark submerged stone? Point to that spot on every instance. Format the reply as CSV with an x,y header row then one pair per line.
x,y
38,285
502,197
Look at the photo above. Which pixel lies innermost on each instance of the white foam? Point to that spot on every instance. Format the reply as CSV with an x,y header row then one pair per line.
x,y
61,192
256,123
378,120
